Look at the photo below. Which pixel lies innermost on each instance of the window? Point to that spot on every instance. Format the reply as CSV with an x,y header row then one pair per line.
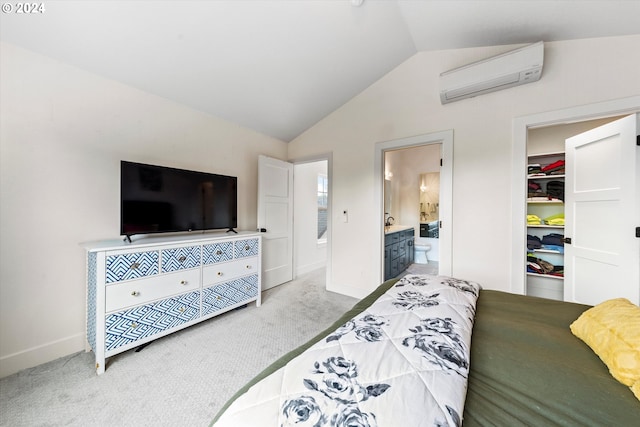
x,y
323,198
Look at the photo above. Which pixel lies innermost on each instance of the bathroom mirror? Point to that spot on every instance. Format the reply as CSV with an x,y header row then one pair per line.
x,y
429,204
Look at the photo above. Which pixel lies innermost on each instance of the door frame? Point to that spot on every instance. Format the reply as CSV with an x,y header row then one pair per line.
x,y
446,197
310,159
521,126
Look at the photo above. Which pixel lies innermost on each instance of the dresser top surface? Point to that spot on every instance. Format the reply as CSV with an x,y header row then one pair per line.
x,y
159,240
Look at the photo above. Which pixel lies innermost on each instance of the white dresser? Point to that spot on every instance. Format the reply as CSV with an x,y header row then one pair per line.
x,y
141,291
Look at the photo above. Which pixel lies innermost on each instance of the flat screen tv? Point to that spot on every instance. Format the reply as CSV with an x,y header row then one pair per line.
x,y
158,199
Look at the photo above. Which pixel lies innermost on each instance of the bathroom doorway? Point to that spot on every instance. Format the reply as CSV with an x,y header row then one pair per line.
x,y
412,199
416,193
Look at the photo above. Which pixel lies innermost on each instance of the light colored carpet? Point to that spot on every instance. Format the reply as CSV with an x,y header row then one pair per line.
x,y
181,379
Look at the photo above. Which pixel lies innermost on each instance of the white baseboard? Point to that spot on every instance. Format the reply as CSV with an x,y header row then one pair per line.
x,y
12,363
349,291
304,269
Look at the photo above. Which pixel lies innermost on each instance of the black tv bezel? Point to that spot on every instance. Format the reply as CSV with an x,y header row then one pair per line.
x,y
229,228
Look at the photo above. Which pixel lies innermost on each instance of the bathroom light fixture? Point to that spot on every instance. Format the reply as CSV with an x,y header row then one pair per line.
x,y
357,3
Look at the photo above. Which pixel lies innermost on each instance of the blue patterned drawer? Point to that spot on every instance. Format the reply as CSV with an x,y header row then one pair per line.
x,y
246,247
144,321
131,266
217,252
226,294
180,258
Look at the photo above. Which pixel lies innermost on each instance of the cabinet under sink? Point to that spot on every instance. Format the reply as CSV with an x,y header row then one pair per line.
x,y
398,250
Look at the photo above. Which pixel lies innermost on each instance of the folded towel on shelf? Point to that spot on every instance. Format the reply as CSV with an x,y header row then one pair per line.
x,y
557,219
533,220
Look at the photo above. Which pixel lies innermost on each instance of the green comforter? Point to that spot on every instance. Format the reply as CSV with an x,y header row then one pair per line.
x,y
527,368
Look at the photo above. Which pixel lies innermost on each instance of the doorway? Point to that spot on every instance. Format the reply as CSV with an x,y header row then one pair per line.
x,y
310,212
444,140
312,215
522,127
295,219
412,199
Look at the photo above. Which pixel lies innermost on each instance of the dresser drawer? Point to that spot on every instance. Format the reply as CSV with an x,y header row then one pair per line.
x,y
223,272
131,265
226,294
136,323
121,295
246,248
217,252
183,258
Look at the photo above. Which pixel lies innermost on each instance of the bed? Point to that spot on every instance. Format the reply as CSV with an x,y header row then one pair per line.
x,y
524,367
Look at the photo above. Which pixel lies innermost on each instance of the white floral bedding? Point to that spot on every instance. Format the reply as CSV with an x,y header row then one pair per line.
x,y
403,362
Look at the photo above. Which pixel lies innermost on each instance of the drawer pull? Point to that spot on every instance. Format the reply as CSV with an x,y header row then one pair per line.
x,y
135,265
181,309
183,282
246,248
135,293
218,297
182,258
134,325
248,267
218,252
219,273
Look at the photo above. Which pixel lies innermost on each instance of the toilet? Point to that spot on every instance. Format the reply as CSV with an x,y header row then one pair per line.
x,y
421,253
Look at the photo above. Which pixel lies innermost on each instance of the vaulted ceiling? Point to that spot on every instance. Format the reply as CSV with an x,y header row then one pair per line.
x,y
280,66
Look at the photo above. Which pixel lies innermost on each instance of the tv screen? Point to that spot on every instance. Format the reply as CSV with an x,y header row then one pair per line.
x,y
156,199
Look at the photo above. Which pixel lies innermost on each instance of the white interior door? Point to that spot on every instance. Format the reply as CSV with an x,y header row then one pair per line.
x,y
602,211
275,215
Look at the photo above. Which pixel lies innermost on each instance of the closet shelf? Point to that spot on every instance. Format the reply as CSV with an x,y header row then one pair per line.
x,y
549,276
545,202
532,177
546,251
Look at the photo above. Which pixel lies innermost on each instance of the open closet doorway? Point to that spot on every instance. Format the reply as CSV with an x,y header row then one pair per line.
x,y
534,135
414,190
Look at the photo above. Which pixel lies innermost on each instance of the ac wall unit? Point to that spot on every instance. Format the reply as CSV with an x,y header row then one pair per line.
x,y
513,68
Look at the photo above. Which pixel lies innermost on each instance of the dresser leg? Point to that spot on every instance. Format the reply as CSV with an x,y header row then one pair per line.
x,y
100,366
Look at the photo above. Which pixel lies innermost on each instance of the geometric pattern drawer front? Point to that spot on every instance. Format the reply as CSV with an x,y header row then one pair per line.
x,y
140,322
223,295
217,252
180,258
131,266
245,248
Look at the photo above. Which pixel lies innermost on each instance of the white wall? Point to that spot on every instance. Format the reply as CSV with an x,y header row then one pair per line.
x,y
405,103
63,134
308,254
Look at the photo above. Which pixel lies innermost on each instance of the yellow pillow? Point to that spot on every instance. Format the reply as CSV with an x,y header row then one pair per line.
x,y
612,330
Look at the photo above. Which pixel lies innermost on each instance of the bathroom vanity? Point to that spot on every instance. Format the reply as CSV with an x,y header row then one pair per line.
x,y
398,249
